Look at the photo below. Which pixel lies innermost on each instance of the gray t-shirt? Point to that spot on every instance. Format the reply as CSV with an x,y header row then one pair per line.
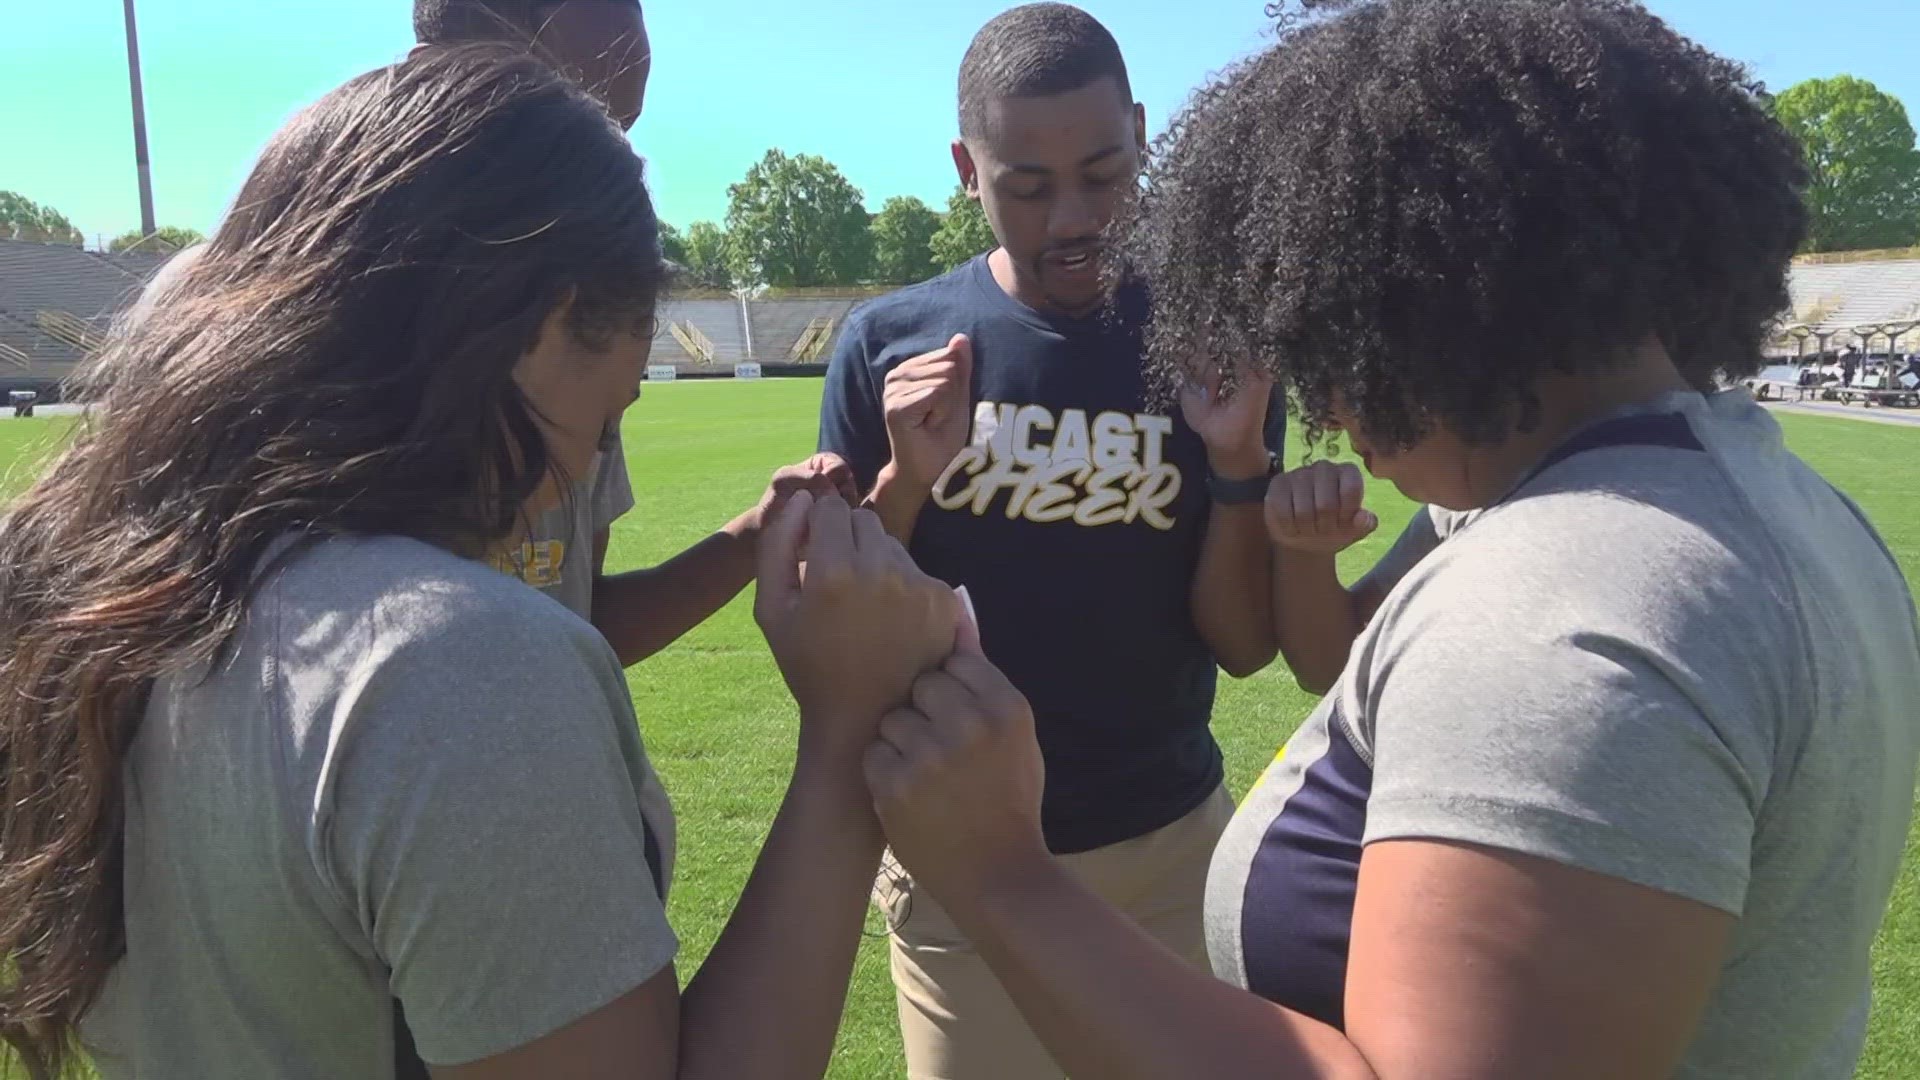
x,y
557,556
412,783
1425,530
1680,659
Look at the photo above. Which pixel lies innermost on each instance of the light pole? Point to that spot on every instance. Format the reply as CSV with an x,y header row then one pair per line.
x,y
139,124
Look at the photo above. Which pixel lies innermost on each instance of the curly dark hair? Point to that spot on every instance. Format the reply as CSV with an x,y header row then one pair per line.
x,y
1421,207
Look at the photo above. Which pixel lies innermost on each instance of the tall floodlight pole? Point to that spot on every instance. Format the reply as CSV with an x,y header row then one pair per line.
x,y
139,124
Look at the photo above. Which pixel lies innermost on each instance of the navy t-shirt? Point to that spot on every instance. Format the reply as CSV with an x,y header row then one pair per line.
x,y
1074,519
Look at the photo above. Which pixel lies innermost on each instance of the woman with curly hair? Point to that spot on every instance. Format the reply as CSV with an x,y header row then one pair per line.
x,y
1615,781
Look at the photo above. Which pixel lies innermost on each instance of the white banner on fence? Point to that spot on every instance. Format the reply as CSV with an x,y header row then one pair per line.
x,y
661,372
748,370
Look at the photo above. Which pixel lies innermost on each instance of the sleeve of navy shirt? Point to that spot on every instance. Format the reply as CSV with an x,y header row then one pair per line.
x,y
853,422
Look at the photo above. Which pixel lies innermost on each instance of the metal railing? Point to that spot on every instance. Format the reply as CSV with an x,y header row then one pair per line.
x,y
697,344
70,329
813,340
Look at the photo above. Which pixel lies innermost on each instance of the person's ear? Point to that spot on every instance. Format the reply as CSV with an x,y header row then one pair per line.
x,y
418,48
1140,127
963,164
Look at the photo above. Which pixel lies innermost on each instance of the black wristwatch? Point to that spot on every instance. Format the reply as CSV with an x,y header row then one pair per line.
x,y
1241,492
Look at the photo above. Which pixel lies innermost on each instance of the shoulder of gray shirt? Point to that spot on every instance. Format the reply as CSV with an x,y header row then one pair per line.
x,y
405,590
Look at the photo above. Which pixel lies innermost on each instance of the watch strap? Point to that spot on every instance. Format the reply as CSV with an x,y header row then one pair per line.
x,y
1252,489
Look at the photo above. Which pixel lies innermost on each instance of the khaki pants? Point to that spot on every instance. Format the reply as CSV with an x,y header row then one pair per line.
x,y
956,1021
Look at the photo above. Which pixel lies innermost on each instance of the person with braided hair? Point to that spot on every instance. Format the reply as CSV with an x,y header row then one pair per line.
x,y
1614,780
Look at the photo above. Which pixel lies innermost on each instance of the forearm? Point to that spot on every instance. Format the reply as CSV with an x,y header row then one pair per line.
x,y
1233,590
1316,617
1109,1001
898,501
644,611
768,1000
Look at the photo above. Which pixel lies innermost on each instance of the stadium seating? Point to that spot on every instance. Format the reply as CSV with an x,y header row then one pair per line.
x,y
778,325
771,329
56,305
144,264
29,358
54,277
58,302
1838,300
718,323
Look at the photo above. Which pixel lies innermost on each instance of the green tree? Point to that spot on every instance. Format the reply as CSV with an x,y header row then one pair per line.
x,y
23,219
903,234
706,249
673,245
797,221
1866,170
963,233
164,240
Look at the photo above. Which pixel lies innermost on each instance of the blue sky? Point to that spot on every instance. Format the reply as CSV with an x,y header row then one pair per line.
x,y
866,83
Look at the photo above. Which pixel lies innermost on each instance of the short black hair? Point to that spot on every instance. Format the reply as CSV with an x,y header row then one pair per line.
x,y
1035,50
1421,207
449,22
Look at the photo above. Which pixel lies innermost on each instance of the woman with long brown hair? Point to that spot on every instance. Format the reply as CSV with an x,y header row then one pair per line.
x,y
294,783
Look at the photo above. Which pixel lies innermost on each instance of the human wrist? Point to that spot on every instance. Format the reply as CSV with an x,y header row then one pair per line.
x,y
1303,562
1003,889
1240,462
829,763
898,498
746,526
895,484
832,787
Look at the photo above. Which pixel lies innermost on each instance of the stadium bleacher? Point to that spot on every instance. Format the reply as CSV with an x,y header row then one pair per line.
x,y
58,302
143,263
767,330
1841,299
1855,316
718,320
54,277
29,357
56,305
779,326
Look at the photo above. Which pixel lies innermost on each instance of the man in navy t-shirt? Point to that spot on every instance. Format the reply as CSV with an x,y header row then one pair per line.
x,y
1000,421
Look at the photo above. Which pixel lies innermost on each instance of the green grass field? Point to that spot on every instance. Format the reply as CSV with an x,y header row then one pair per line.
x,y
718,725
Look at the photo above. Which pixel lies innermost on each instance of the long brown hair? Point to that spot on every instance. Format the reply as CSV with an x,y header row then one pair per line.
x,y
338,360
